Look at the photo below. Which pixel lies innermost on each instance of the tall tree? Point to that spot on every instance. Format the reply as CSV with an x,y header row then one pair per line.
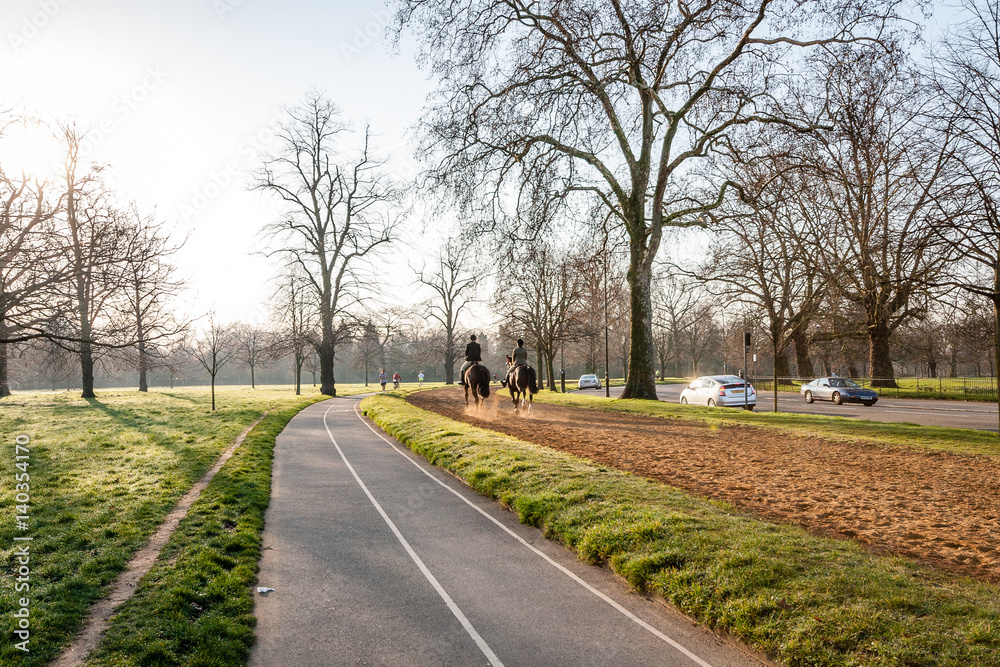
x,y
29,261
340,209
967,79
149,282
454,287
293,311
619,100
890,182
97,237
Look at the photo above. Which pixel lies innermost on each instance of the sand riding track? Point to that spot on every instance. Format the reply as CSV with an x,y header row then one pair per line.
x,y
936,507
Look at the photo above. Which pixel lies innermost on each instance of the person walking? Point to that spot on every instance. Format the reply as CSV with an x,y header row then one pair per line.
x,y
420,378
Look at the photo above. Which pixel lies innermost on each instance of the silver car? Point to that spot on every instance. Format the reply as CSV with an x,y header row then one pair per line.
x,y
588,382
838,390
724,390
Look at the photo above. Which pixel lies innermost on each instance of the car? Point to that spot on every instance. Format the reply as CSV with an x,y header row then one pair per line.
x,y
589,382
722,390
839,390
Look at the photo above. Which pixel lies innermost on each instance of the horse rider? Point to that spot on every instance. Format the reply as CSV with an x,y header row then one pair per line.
x,y
519,357
473,354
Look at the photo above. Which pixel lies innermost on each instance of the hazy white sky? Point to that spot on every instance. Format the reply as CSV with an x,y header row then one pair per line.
x,y
180,95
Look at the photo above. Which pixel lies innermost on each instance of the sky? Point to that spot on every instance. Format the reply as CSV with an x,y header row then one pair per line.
x,y
180,98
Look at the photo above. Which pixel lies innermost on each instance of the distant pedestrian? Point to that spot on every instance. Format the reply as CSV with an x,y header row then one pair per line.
x,y
383,377
420,377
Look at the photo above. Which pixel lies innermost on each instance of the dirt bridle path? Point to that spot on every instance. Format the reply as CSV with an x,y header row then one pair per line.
x,y
939,508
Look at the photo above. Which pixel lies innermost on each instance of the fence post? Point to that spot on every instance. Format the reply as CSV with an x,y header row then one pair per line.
x,y
965,395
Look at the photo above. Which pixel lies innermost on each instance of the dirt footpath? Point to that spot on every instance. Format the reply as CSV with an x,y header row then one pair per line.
x,y
943,509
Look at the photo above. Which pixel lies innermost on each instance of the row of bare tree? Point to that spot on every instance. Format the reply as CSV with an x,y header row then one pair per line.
x,y
79,270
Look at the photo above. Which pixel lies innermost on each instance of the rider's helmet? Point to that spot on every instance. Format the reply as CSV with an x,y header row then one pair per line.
x,y
472,337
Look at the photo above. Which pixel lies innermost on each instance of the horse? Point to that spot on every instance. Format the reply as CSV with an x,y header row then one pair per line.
x,y
477,378
523,386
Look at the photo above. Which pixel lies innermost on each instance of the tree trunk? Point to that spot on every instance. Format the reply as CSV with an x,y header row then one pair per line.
x,y
640,382
4,385
328,386
803,363
550,370
87,370
880,360
539,366
143,366
213,393
449,358
781,367
252,382
299,358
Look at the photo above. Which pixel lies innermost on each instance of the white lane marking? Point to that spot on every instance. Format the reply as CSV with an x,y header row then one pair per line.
x,y
480,642
544,556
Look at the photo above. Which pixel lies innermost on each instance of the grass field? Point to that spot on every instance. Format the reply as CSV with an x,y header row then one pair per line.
x,y
802,599
103,474
968,441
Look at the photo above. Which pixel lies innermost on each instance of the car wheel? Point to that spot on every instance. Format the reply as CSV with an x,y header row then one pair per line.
x,y
837,400
711,403
684,400
868,404
809,397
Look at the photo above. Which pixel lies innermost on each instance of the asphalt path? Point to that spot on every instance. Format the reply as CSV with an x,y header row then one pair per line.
x,y
926,412
378,558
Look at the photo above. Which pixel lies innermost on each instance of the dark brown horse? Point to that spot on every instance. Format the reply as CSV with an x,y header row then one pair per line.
x,y
523,386
477,378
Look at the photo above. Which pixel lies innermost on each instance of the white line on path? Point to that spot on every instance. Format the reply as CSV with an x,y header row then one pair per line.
x,y
544,556
480,642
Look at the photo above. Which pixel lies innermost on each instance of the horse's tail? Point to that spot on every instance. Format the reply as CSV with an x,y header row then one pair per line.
x,y
532,381
484,384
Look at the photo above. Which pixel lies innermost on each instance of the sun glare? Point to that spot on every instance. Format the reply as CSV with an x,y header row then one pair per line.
x,y
31,150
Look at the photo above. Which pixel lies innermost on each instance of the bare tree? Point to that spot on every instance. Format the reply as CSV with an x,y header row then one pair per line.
x,y
967,75
96,243
293,310
618,101
890,182
545,302
340,210
149,282
29,261
454,287
213,348
255,346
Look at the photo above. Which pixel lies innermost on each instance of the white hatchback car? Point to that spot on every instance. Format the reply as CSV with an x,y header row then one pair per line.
x,y
724,390
589,382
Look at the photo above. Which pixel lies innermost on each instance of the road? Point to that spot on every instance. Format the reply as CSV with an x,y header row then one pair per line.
x,y
378,558
917,411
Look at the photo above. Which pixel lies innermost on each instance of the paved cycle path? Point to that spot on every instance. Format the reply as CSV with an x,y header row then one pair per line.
x,y
378,558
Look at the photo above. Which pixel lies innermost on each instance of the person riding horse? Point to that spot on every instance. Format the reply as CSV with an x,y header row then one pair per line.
x,y
473,354
519,357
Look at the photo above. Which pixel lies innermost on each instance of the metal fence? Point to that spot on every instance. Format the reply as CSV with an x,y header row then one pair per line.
x,y
958,389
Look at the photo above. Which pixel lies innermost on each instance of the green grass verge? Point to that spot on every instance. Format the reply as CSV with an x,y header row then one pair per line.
x,y
801,599
964,441
195,607
103,475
